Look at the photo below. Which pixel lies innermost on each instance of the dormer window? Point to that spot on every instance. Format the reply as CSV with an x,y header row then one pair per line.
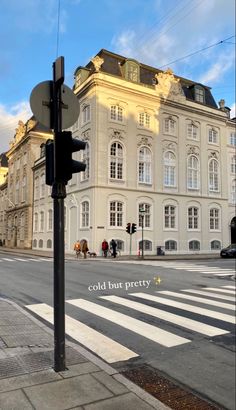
x,y
131,70
199,94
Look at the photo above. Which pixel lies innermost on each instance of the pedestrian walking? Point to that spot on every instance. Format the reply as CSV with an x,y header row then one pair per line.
x,y
113,246
105,248
84,248
77,248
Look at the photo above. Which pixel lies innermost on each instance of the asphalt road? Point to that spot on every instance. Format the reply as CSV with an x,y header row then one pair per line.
x,y
205,363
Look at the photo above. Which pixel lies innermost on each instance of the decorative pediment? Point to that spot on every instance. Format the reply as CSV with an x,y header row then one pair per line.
x,y
168,86
97,62
116,134
167,145
144,141
86,135
213,154
191,150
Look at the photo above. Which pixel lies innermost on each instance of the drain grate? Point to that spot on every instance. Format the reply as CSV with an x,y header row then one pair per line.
x,y
177,398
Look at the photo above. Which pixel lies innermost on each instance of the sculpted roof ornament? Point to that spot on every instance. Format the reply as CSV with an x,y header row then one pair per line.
x,y
168,86
97,62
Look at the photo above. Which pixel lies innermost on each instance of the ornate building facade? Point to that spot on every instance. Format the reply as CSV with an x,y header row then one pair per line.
x,y
159,150
17,190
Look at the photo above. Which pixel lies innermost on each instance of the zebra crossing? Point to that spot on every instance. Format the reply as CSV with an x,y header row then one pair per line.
x,y
13,259
212,315
190,267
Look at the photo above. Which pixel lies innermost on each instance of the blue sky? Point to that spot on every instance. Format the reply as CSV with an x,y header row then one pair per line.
x,y
155,32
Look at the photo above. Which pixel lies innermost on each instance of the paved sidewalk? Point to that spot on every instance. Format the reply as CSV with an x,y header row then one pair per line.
x,y
28,381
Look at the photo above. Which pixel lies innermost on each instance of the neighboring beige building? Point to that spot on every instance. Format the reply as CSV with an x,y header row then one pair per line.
x,y
3,193
17,191
158,143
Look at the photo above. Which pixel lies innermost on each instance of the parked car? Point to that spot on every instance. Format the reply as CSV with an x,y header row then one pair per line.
x,y
229,252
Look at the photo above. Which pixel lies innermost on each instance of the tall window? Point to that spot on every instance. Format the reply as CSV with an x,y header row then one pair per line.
x,y
36,227
86,160
233,192
144,165
214,219
41,228
42,185
22,226
85,214
233,165
192,131
212,136
193,217
199,94
116,213
169,126
232,139
116,161
144,119
36,188
170,217
169,169
86,114
23,198
50,219
17,193
193,172
116,113
146,215
213,175
132,72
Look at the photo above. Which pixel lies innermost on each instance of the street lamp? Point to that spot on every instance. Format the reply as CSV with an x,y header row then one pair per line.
x,y
142,213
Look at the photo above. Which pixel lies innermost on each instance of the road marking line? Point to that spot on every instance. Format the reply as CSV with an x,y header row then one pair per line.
x,y
103,346
34,260
211,294
169,317
196,299
231,292
21,260
223,274
185,306
153,333
229,287
9,260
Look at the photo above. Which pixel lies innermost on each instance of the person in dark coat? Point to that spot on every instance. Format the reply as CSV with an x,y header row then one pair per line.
x,y
113,246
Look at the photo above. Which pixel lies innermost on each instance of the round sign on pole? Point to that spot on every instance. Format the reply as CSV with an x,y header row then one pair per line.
x,y
40,103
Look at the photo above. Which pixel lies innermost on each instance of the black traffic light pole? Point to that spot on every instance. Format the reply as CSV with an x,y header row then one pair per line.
x,y
58,195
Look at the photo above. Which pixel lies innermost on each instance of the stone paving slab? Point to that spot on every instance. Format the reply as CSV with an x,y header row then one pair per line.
x,y
18,329
78,369
67,393
16,400
126,402
40,338
26,380
110,383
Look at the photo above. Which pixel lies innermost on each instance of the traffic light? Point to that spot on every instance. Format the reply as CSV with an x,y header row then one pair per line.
x,y
49,160
134,228
65,166
128,228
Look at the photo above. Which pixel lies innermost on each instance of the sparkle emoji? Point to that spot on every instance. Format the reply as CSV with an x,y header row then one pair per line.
x,y
157,280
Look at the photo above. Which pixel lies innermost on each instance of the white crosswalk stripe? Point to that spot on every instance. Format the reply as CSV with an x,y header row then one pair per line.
x,y
211,294
197,299
153,333
169,317
26,260
103,346
229,287
185,306
112,351
8,260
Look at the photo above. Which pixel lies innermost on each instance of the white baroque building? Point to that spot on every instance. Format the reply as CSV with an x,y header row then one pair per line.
x,y
155,142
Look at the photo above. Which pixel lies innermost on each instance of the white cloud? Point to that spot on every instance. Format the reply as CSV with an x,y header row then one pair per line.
x,y
216,71
9,117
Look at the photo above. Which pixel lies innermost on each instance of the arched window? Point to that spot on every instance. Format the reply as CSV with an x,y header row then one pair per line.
x,y
41,227
170,216
193,172
169,169
22,226
36,188
215,245
214,219
193,217
147,245
85,214
40,243
213,175
144,165
36,227
86,114
116,214
171,245
144,211
86,161
35,243
42,185
49,243
116,113
116,161
194,245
